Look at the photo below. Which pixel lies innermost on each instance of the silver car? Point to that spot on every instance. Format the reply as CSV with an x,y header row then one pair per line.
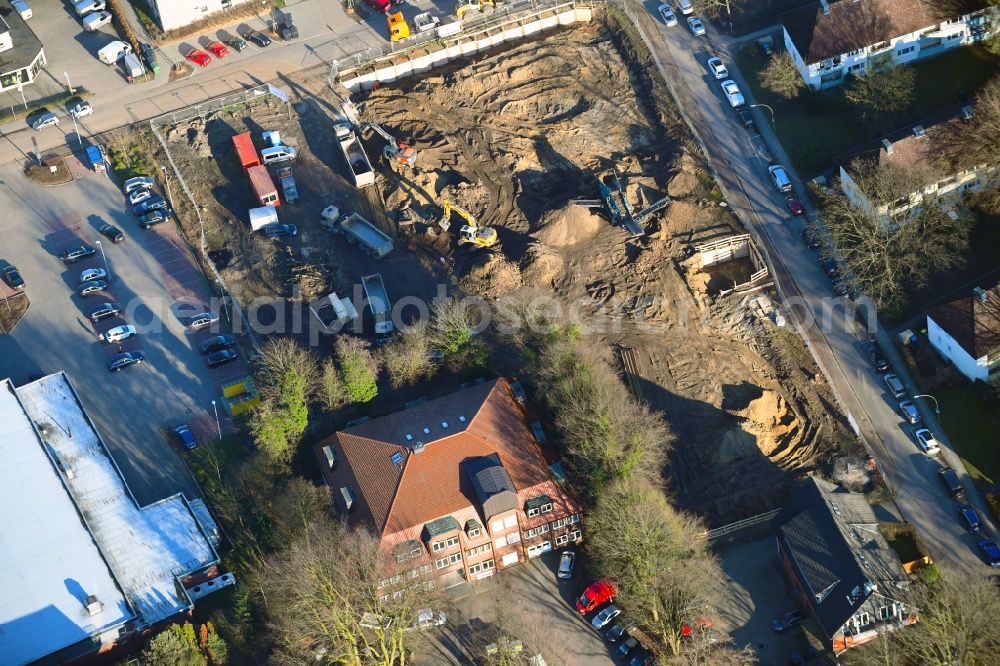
x,y
47,119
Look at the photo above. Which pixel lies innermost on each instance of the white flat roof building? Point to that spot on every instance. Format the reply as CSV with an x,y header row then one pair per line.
x,y
80,561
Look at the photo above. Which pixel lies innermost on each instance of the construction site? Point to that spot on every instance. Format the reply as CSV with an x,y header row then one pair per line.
x,y
555,165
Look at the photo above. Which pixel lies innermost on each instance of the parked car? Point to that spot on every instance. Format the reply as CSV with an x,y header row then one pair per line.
x,y
627,646
952,484
273,231
926,442
428,618
217,343
236,44
596,594
732,93
795,206
152,203
139,195
697,28
258,38
198,57
218,49
829,267
879,362
203,319
22,8
811,237
124,360
990,552
186,437
667,14
617,630
221,357
88,288
895,385
137,182
909,412
119,333
149,55
154,217
47,119
780,178
717,68
85,6
566,562
112,233
13,278
75,254
745,117
104,311
96,20
92,274
969,518
786,621
81,109
607,614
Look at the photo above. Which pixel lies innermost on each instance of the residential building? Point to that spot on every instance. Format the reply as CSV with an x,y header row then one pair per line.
x,y
914,148
21,53
845,576
829,40
82,566
171,14
456,486
965,328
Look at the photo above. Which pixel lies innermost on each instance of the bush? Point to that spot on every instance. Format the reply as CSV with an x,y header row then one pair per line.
x,y
930,574
358,369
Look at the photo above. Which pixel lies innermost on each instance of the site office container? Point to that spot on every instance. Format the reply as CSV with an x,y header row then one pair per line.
x,y
245,150
263,186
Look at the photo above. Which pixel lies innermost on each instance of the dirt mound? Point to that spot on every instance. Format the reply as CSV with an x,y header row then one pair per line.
x,y
496,278
773,421
568,226
541,266
685,182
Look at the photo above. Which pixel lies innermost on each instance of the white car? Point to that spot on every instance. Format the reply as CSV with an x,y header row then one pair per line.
x,y
81,109
925,440
137,182
95,21
47,119
780,179
86,6
733,94
696,26
119,333
605,616
92,274
717,68
139,195
668,14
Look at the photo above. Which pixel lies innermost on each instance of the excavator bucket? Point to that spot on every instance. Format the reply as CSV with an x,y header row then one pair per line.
x,y
398,27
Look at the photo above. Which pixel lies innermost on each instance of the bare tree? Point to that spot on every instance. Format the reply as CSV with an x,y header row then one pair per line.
x,y
782,77
969,143
713,8
454,322
358,368
881,94
332,597
407,359
663,571
279,356
332,392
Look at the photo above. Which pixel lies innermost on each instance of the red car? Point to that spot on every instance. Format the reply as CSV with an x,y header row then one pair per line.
x,y
795,206
218,49
198,57
595,595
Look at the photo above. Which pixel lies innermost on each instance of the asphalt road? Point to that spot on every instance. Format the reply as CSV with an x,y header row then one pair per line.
x,y
156,279
837,342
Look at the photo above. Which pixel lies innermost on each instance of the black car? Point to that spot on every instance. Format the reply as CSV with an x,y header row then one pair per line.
x,y
949,478
148,55
279,230
811,238
104,311
152,203
744,116
75,254
124,360
236,44
112,233
13,278
154,217
91,287
218,343
258,38
615,632
881,365
627,646
221,357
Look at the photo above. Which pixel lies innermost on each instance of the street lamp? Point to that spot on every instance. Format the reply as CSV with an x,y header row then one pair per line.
x,y
218,424
937,410
765,106
105,259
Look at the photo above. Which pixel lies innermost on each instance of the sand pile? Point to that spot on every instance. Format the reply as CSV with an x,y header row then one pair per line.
x,y
568,226
773,421
496,278
685,181
541,265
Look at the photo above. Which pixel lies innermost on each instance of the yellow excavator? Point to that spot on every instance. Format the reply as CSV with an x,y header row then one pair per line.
x,y
481,6
470,233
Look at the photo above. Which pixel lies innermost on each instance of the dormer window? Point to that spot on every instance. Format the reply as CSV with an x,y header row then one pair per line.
x,y
538,505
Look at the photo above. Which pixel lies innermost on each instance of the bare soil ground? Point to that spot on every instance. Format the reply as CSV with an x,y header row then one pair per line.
x,y
513,138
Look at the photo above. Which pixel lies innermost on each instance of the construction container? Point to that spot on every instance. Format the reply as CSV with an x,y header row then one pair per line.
x,y
263,186
245,150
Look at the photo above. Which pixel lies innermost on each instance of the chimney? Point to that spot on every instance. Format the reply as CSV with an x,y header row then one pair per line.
x,y
826,7
918,131
888,146
418,447
980,294
93,605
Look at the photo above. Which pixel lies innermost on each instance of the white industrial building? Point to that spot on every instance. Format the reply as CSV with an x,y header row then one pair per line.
x,y
81,564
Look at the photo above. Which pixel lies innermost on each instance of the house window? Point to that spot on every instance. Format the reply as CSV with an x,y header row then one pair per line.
x,y
574,519
855,52
479,550
384,599
862,619
513,537
854,68
534,511
957,35
546,508
482,566
448,561
562,540
510,521
885,612
575,535
908,49
450,542
426,568
501,542
496,526
474,533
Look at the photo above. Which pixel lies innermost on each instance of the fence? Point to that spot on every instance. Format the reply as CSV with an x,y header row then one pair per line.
x,y
226,101
739,525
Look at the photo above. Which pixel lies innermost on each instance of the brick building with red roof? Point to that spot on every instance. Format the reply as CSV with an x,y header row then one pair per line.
x,y
457,486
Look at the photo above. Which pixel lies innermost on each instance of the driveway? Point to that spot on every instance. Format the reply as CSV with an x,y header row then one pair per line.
x,y
836,340
156,280
534,599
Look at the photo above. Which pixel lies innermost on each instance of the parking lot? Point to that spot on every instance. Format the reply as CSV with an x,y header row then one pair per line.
x,y
154,277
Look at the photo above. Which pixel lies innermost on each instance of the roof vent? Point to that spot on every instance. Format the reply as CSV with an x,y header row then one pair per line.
x,y
444,424
966,112
979,293
461,419
888,146
94,606
409,437
826,7
396,458
918,131
418,447
427,430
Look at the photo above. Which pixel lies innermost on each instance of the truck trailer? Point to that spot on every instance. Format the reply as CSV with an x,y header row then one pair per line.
x,y
245,150
378,301
263,186
358,230
358,164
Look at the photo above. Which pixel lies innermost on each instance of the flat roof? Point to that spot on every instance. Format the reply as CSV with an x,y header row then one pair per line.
x,y
26,43
142,550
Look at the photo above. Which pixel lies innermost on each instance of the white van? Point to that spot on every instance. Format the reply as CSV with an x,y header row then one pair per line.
x,y
22,8
685,6
114,52
92,22
85,6
277,154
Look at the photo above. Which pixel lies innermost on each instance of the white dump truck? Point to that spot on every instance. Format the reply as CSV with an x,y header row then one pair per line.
x,y
359,166
379,303
357,230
